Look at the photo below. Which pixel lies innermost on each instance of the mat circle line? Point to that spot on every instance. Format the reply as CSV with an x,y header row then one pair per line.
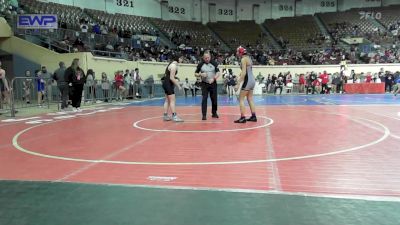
x,y
136,125
386,134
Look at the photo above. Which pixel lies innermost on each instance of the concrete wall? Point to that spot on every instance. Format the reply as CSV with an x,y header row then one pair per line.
x,y
109,66
390,2
38,54
21,64
5,30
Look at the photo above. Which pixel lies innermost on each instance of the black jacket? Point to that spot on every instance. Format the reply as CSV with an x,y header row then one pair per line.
x,y
70,76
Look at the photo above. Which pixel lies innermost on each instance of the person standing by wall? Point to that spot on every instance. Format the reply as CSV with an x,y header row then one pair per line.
x,y
187,86
46,76
137,90
90,86
231,83
40,84
127,84
149,84
59,76
119,85
28,84
208,71
105,86
324,82
4,87
197,86
389,81
302,83
76,79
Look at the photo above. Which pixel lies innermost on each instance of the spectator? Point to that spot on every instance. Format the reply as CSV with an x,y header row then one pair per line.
x,y
109,47
317,85
104,28
302,83
324,77
4,87
389,81
197,86
105,86
90,85
27,85
59,76
127,84
279,85
40,84
76,79
96,29
137,90
149,84
119,85
84,27
231,83
336,83
79,45
368,78
187,86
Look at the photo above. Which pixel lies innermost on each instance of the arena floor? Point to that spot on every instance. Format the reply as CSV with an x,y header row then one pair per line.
x,y
314,159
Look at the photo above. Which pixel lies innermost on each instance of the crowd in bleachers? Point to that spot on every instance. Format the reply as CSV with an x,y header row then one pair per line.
x,y
110,35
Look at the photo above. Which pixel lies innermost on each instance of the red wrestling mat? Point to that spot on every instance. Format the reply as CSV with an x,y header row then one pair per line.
x,y
313,149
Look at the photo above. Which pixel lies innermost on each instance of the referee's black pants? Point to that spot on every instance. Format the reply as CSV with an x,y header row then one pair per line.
x,y
209,89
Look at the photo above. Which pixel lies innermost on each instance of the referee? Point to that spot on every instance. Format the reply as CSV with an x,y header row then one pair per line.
x,y
208,71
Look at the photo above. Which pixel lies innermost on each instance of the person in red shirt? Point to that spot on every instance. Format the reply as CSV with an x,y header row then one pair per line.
x,y
368,78
324,81
119,84
302,82
317,85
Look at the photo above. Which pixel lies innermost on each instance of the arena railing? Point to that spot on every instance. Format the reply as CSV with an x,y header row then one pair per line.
x,y
24,94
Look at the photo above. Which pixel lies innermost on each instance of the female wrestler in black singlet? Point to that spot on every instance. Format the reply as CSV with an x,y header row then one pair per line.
x,y
168,83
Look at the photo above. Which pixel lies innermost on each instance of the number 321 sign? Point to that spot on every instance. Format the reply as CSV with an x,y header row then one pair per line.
x,y
124,3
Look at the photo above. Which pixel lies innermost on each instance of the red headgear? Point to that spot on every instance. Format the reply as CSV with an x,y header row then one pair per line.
x,y
241,51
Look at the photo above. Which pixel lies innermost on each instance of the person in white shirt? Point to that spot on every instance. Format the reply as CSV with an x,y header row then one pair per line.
x,y
187,86
84,28
137,90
